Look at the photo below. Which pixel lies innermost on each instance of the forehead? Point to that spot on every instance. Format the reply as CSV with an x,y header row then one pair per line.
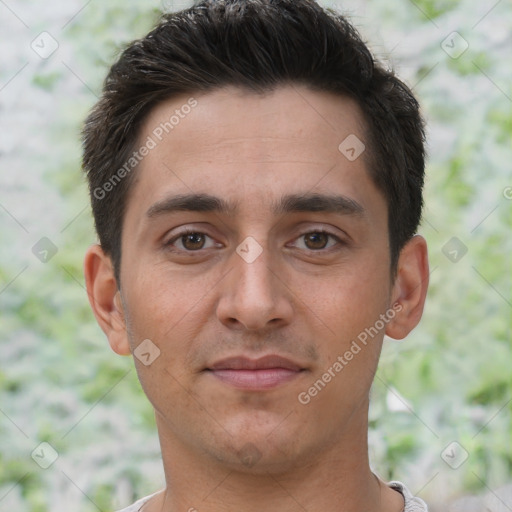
x,y
252,147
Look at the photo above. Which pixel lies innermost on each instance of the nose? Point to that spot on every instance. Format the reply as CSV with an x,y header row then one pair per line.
x,y
253,295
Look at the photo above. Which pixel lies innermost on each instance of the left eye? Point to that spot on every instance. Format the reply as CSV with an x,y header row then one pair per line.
x,y
317,240
192,241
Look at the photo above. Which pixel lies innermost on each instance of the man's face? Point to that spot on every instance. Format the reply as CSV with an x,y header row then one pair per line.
x,y
285,272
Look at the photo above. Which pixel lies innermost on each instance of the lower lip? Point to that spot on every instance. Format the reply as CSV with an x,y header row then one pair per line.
x,y
256,379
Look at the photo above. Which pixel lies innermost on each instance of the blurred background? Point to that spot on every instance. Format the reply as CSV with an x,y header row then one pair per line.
x,y
76,432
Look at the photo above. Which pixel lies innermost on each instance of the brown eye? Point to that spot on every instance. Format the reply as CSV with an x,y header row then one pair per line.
x,y
190,241
316,240
193,241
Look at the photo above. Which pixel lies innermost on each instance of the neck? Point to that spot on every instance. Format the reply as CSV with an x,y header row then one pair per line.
x,y
336,477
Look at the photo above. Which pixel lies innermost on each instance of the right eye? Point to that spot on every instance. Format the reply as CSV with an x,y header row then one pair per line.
x,y
190,241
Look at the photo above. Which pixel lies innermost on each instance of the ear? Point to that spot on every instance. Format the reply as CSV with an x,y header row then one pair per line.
x,y
105,298
410,288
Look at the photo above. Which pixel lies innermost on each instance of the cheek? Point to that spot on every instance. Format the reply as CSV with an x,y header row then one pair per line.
x,y
160,300
170,309
166,311
346,313
349,302
345,310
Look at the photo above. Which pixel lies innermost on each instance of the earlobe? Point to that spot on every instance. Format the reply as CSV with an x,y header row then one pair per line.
x,y
105,299
410,288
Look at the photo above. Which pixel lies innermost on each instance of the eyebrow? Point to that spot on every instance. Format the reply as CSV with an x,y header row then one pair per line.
x,y
192,203
318,203
287,204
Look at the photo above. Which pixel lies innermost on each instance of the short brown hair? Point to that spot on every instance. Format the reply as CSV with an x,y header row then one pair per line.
x,y
257,45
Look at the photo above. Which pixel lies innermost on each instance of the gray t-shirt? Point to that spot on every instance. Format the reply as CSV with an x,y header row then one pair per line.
x,y
412,504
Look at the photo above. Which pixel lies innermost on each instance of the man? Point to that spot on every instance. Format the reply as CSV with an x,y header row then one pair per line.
x,y
256,182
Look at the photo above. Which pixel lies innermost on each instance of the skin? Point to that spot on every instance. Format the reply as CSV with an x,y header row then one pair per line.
x,y
306,297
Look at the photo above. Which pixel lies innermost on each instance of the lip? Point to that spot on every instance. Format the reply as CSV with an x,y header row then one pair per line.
x,y
262,363
255,374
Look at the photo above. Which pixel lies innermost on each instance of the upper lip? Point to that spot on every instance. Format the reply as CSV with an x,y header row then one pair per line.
x,y
262,363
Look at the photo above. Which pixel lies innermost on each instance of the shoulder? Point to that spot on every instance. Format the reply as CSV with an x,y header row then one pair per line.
x,y
135,507
412,503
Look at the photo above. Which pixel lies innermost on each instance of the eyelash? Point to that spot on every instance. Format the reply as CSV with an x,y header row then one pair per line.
x,y
322,232
184,233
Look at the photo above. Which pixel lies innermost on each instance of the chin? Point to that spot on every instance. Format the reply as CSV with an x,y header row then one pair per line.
x,y
258,459
270,450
